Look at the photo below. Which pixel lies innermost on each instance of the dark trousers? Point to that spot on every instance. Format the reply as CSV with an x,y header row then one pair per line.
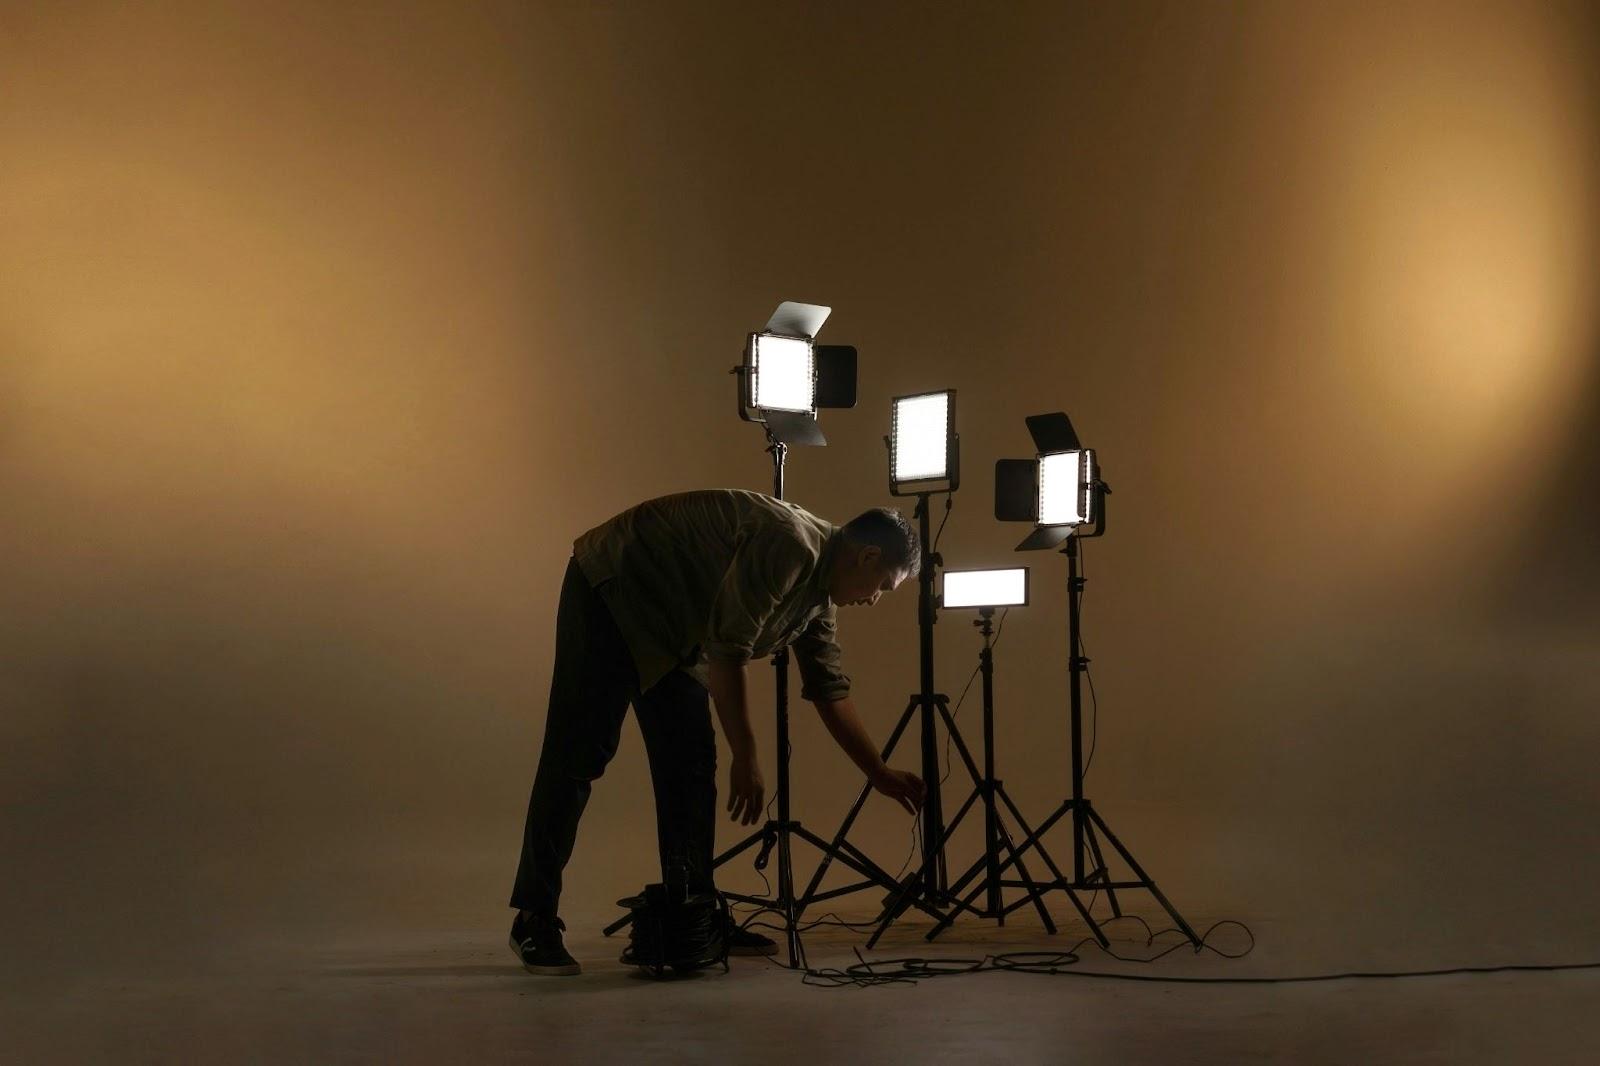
x,y
593,682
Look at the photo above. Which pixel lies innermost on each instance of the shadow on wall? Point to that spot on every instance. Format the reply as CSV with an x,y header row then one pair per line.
x,y
1553,572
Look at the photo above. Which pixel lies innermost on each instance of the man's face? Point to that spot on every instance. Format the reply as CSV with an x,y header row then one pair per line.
x,y
861,578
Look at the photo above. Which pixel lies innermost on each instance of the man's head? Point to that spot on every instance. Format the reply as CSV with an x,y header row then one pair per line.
x,y
878,549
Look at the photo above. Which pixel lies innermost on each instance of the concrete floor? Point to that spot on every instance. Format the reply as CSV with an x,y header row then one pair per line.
x,y
458,995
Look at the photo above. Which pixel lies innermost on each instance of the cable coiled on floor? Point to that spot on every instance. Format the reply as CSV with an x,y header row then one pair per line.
x,y
677,931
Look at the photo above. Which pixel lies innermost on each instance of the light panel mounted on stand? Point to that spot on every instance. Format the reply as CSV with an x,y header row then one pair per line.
x,y
783,373
1066,488
924,450
786,377
1006,587
1056,490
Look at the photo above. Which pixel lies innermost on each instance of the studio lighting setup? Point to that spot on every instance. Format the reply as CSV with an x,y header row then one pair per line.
x,y
1061,492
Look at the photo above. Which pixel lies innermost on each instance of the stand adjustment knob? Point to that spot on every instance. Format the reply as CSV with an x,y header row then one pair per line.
x,y
765,854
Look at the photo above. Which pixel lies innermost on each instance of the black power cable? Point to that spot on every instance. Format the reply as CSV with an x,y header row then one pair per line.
x,y
866,973
949,502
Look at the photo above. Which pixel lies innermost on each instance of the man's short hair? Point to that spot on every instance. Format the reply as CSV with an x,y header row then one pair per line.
x,y
888,530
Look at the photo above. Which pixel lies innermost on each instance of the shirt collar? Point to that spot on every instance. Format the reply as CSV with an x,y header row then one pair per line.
x,y
819,578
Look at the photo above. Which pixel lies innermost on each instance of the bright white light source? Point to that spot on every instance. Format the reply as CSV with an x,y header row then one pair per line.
x,y
986,588
783,376
920,437
1064,489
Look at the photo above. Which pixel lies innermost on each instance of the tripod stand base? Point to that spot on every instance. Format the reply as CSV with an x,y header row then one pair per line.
x,y
992,883
1086,822
911,891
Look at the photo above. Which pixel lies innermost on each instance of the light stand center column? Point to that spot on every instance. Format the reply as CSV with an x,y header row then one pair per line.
x,y
934,873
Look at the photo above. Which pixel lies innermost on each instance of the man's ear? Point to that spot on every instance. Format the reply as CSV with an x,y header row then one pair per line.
x,y
870,554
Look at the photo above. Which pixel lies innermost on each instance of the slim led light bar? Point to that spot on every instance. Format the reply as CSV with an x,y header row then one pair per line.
x,y
986,588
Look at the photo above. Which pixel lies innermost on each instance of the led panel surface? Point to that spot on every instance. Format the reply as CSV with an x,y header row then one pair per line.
x,y
783,375
920,437
1063,488
986,588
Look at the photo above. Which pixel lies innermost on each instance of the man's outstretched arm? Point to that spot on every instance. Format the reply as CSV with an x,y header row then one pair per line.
x,y
845,726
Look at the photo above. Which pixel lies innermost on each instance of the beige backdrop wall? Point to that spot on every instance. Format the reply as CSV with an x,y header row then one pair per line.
x,y
326,328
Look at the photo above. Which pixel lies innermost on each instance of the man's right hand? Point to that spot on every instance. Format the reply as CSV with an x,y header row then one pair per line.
x,y
745,789
902,786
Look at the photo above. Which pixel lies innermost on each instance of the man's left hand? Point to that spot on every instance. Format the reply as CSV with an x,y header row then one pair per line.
x,y
745,789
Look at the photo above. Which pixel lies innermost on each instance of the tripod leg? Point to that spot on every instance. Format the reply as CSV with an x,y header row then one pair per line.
x,y
855,809
949,830
1083,912
964,904
850,856
979,865
1036,889
961,883
1133,864
926,904
1035,840
1105,871
936,861
875,874
838,839
1034,837
955,738
894,909
911,899
1035,892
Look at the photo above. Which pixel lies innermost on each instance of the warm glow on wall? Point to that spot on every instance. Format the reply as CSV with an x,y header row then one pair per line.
x,y
1458,224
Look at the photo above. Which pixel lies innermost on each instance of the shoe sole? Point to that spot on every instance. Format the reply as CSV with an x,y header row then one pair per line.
x,y
569,969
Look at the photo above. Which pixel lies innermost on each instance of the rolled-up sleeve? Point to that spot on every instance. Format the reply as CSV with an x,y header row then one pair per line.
x,y
767,564
816,652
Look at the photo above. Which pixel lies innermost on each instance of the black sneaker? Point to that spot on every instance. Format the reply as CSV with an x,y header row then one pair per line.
x,y
537,942
748,941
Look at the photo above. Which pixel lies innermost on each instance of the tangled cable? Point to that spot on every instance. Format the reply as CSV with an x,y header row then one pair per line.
x,y
865,973
868,973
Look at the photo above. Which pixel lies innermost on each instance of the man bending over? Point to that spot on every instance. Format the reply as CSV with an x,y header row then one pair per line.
x,y
662,606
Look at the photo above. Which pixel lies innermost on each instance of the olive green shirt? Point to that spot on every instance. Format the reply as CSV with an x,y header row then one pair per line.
x,y
719,574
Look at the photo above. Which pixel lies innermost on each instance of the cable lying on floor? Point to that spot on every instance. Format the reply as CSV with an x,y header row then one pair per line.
x,y
866,973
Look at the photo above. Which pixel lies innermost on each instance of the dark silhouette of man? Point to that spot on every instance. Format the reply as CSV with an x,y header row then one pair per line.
x,y
662,606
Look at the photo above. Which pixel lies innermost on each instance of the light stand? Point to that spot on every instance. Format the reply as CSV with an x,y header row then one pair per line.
x,y
996,837
826,380
1056,440
924,458
777,834
928,889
